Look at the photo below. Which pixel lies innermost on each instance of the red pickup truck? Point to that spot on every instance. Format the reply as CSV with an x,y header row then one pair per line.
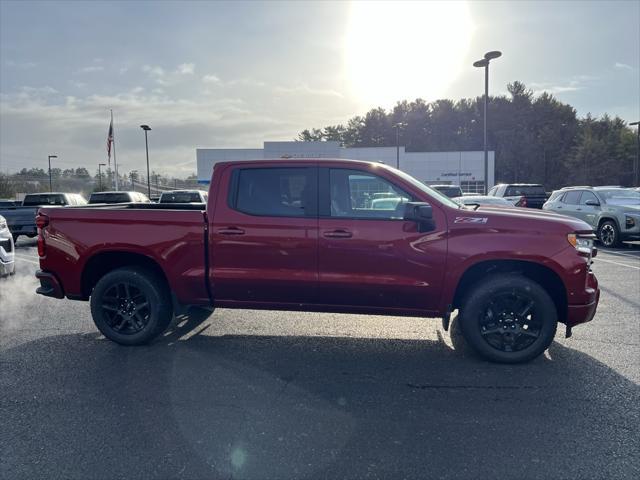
x,y
329,236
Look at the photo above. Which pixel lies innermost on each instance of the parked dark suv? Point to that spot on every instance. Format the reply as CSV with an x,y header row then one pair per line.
x,y
530,195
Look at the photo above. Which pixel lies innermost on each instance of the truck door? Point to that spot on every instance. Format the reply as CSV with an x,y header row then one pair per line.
x,y
264,235
369,256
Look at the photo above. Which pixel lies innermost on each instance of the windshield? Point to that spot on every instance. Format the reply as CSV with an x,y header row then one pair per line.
x,y
525,190
424,188
38,200
181,197
450,192
620,196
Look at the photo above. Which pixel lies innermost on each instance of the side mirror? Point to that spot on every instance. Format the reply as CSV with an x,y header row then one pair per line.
x,y
593,203
421,213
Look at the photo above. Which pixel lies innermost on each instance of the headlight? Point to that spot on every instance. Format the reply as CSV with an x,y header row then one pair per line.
x,y
583,244
3,224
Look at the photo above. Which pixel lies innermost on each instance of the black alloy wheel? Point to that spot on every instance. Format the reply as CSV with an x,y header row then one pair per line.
x,y
508,318
126,308
131,305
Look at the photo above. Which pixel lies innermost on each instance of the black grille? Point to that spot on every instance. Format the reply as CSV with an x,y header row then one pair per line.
x,y
6,244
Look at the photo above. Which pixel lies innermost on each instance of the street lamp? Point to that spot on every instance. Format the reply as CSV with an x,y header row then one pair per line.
x,y
636,162
484,63
146,128
50,182
397,127
100,176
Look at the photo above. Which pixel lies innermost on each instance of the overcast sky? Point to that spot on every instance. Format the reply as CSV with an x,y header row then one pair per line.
x,y
215,74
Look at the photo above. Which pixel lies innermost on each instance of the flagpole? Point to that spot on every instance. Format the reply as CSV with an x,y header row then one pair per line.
x,y
113,142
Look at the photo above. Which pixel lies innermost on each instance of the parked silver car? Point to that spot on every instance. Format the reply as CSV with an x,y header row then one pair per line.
x,y
7,259
613,212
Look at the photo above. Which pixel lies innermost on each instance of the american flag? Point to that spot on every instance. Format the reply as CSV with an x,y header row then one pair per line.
x,y
110,139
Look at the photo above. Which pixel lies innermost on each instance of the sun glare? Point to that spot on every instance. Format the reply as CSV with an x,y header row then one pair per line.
x,y
405,49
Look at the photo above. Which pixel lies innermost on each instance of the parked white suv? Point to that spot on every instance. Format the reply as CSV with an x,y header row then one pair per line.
x,y
7,259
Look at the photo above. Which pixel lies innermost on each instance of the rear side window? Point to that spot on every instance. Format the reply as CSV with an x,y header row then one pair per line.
x,y
572,198
530,190
43,199
275,192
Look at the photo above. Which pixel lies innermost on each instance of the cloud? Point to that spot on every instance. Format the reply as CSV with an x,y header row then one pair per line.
x,y
572,84
90,69
623,66
304,89
211,78
186,69
12,64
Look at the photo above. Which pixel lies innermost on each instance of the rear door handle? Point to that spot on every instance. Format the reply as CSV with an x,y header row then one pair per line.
x,y
338,234
231,231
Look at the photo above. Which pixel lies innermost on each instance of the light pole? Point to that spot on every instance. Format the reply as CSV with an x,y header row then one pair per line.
x,y
50,182
484,62
636,162
397,127
146,128
100,176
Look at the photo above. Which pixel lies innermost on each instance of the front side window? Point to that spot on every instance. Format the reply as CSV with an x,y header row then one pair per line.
x,y
357,194
587,196
276,192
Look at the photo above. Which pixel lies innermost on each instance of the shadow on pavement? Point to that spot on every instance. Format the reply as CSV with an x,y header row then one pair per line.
x,y
79,406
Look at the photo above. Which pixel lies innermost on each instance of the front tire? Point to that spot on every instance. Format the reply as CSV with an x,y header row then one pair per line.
x,y
608,234
508,319
131,306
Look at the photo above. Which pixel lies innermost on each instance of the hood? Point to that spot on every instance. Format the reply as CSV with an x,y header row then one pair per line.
x,y
528,218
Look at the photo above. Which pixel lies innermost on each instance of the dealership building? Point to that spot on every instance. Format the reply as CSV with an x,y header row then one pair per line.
x,y
454,168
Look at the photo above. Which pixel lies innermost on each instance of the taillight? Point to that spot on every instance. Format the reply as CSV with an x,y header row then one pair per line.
x,y
41,222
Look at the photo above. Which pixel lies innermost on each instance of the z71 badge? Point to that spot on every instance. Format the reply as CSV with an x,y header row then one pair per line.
x,y
470,220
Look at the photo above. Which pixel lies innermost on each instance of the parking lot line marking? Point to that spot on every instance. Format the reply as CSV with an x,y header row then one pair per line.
x,y
30,260
617,263
620,254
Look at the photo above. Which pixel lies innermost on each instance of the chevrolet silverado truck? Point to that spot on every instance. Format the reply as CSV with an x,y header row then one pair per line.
x,y
304,235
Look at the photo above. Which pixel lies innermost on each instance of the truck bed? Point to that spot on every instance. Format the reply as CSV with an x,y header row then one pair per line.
x,y
80,241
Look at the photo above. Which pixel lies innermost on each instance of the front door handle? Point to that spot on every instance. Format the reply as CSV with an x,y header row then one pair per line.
x,y
231,231
338,234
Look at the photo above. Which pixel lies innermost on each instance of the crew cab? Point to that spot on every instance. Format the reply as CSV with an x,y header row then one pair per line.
x,y
305,235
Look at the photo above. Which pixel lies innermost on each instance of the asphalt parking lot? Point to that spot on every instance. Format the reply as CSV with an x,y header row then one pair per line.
x,y
256,395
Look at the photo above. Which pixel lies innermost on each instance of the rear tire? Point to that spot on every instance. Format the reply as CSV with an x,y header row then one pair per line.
x,y
131,306
608,234
508,319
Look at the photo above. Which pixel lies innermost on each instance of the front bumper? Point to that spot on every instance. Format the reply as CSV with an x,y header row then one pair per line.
x,y
583,313
50,286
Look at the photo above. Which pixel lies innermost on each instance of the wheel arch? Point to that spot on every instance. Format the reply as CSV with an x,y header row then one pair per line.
x,y
549,280
102,263
606,218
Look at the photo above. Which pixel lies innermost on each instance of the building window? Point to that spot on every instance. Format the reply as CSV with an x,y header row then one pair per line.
x,y
472,186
